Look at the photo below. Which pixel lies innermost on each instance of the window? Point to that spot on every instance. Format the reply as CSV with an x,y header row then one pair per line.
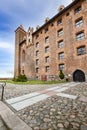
x,y
80,36
60,44
52,24
61,67
79,22
67,14
47,49
59,22
81,50
78,10
61,55
46,30
23,56
22,71
47,59
37,44
60,32
37,53
37,70
37,61
29,40
37,36
46,39
47,68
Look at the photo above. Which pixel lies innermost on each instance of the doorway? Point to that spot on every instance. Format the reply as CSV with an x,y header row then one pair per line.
x,y
79,76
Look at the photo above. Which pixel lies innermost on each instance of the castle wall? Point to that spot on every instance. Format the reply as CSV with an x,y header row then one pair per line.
x,y
43,51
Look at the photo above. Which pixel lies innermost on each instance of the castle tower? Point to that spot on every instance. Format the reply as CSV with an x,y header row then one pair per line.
x,y
20,35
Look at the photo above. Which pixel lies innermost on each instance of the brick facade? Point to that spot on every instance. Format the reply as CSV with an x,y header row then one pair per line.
x,y
60,43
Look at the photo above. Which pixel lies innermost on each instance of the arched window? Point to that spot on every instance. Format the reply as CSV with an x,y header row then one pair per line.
x,y
23,56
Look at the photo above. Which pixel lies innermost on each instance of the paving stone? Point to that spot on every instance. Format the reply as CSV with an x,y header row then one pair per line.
x,y
83,127
83,98
56,112
60,125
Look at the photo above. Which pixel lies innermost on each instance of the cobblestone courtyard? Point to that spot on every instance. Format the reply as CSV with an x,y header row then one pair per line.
x,y
56,112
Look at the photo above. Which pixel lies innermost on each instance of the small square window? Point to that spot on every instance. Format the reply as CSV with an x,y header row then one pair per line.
x,y
67,14
59,22
37,36
78,10
46,30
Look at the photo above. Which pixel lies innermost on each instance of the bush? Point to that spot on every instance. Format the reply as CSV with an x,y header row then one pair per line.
x,y
14,79
20,78
61,75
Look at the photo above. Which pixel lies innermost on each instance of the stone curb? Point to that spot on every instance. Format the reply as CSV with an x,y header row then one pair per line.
x,y
11,120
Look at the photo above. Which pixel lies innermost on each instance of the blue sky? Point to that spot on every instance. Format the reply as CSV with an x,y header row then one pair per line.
x,y
25,12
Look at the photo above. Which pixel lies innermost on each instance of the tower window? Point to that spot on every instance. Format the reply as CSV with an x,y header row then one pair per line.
x,y
23,56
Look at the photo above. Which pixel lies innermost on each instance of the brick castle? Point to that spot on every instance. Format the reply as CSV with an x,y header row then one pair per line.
x,y
60,43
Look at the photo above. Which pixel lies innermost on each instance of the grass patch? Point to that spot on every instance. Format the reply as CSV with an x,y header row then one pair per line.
x,y
34,82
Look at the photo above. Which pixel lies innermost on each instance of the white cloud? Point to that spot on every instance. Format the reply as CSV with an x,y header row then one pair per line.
x,y
5,45
6,75
6,64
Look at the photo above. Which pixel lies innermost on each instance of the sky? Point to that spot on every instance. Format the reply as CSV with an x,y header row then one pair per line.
x,y
21,12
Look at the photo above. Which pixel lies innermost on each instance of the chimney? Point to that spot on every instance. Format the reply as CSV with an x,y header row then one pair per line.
x,y
46,20
37,27
61,8
21,26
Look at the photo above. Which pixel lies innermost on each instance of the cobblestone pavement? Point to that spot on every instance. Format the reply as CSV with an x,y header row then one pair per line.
x,y
54,113
12,90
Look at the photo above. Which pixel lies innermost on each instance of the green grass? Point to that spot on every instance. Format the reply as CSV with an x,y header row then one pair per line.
x,y
34,82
